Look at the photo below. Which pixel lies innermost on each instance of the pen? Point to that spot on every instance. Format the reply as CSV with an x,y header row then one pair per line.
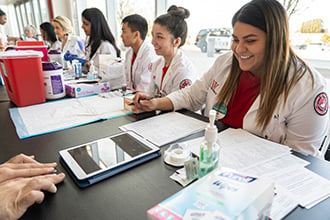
x,y
148,98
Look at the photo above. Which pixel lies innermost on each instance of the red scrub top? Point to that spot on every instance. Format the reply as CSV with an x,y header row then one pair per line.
x,y
247,92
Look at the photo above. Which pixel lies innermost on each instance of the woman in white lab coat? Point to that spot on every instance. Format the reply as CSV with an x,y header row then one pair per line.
x,y
262,85
70,43
100,39
49,36
173,70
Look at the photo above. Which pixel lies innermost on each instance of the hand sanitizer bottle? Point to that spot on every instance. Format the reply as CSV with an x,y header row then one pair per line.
x,y
92,73
209,150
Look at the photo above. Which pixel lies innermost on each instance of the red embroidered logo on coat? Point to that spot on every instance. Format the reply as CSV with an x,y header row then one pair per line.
x,y
150,67
321,103
184,83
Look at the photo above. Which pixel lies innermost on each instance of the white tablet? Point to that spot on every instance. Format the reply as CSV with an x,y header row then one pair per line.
x,y
108,155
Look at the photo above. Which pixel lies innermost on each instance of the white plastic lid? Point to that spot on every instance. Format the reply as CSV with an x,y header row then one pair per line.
x,y
211,130
20,54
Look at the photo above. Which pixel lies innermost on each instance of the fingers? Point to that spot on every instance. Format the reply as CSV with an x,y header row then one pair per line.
x,y
139,96
12,170
30,172
22,158
29,191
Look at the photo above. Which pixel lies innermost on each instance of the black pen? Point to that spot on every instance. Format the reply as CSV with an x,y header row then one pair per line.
x,y
148,98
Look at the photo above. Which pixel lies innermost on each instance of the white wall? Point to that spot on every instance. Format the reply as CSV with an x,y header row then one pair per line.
x,y
62,7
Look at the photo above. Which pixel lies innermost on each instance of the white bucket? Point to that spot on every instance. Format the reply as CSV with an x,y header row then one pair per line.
x,y
54,83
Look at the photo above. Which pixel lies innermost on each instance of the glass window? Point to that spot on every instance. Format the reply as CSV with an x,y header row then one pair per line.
x,y
36,14
29,13
19,20
309,27
23,14
44,10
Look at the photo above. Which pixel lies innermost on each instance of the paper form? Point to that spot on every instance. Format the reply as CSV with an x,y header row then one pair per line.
x,y
166,128
240,150
305,186
282,204
62,114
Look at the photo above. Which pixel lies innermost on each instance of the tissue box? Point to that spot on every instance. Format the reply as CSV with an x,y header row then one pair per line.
x,y
223,192
79,89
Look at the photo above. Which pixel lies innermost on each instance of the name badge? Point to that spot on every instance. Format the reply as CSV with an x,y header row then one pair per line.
x,y
220,110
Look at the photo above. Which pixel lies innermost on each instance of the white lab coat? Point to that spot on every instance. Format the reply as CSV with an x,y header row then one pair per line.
x,y
105,48
180,73
73,47
57,45
141,69
297,124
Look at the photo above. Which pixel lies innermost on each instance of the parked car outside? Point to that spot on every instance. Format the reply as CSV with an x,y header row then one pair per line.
x,y
222,39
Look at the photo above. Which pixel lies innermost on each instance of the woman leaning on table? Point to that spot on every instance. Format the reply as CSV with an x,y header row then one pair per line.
x,y
261,86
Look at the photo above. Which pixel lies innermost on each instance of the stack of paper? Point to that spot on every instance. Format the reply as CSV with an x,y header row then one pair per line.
x,y
248,153
166,128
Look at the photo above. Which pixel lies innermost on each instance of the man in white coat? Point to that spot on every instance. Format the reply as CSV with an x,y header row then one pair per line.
x,y
139,56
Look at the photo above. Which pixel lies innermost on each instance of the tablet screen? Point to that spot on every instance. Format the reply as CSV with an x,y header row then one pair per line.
x,y
107,152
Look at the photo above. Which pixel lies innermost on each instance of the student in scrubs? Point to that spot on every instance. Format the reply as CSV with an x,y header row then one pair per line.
x,y
261,86
139,55
172,70
100,40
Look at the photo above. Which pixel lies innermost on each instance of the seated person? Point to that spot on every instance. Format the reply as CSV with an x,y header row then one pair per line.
x,y
172,70
139,55
100,39
49,36
272,95
30,33
70,43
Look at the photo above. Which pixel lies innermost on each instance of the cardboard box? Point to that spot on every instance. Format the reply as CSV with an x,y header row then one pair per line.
x,y
85,88
222,193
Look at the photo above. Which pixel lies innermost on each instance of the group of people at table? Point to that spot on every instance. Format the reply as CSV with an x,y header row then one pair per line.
x,y
261,85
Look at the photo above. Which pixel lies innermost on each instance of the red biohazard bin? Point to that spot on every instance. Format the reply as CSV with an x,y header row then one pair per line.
x,y
33,45
23,77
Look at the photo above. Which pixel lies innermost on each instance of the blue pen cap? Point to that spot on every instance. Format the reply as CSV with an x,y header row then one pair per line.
x,y
46,66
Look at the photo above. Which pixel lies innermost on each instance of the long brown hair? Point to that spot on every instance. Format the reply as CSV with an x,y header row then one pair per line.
x,y
271,17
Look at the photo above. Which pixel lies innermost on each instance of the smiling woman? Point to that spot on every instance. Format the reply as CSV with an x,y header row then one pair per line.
x,y
273,95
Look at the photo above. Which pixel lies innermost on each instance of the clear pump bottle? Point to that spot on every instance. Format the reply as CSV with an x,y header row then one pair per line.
x,y
92,74
209,150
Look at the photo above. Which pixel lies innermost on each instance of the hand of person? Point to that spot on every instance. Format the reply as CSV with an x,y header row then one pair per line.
x,y
141,102
24,166
20,193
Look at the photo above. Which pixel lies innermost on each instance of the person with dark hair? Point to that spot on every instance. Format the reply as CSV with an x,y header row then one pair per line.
x,y
261,86
100,39
172,70
49,36
3,36
140,54
23,182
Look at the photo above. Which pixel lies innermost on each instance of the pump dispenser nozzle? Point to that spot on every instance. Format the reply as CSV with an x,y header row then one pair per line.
x,y
211,130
